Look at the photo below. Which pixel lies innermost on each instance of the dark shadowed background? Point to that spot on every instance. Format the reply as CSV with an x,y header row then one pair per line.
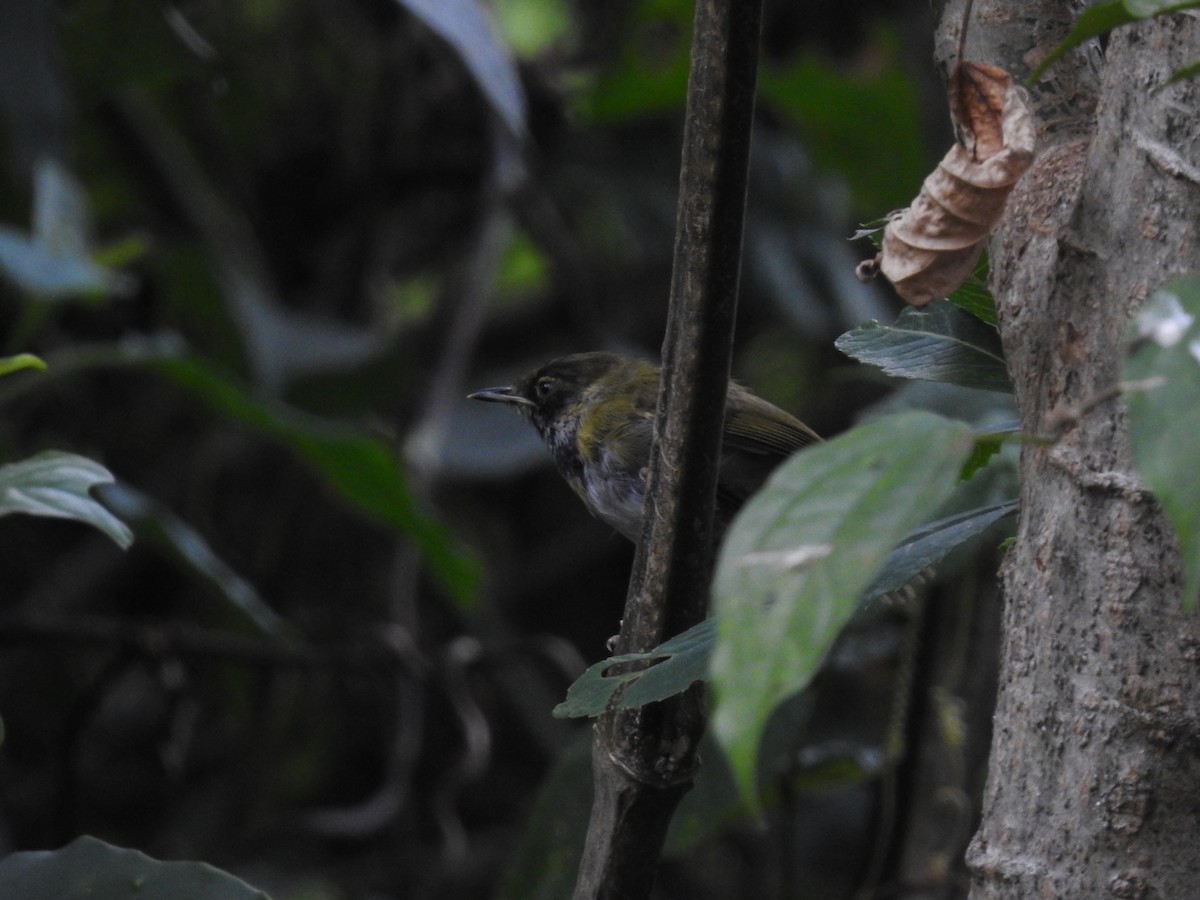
x,y
328,661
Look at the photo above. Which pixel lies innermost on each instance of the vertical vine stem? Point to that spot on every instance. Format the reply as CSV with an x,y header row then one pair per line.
x,y
644,759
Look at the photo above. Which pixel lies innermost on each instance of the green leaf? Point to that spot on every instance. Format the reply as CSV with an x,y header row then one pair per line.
x,y
1162,372
361,469
973,294
57,484
533,27
675,665
9,364
1191,70
937,343
89,868
650,74
930,543
1100,18
802,551
974,297
987,445
1144,9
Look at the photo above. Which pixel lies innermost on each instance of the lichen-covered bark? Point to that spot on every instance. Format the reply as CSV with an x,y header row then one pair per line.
x,y
1094,775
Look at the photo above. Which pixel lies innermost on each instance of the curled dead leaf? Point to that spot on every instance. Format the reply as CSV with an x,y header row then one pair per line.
x,y
931,247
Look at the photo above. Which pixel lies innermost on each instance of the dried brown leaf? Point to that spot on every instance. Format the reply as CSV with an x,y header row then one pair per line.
x,y
977,96
930,248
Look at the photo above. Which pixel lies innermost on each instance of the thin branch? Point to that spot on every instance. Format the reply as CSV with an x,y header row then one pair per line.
x,y
395,650
644,759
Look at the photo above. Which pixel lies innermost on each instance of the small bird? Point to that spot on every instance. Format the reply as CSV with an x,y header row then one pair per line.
x,y
595,411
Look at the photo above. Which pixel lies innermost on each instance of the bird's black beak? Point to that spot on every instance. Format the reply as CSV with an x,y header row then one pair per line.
x,y
500,395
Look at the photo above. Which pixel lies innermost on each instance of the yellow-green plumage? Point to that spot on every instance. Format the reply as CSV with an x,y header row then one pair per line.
x,y
595,411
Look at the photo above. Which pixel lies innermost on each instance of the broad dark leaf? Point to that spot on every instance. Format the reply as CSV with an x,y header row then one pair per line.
x,y
937,343
930,543
89,868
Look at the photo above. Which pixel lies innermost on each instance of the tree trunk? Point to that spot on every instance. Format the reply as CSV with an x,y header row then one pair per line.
x,y
1094,781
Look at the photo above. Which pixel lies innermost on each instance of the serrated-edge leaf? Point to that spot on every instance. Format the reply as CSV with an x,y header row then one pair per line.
x,y
938,343
88,867
56,484
857,495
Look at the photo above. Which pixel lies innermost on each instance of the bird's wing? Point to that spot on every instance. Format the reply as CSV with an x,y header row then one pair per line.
x,y
752,425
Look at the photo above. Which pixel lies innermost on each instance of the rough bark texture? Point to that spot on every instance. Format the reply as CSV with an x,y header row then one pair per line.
x,y
1094,782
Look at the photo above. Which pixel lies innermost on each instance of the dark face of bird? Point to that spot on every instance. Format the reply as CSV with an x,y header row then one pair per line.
x,y
552,398
595,412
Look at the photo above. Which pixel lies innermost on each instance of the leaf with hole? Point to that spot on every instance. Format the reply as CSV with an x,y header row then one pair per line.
x,y
669,669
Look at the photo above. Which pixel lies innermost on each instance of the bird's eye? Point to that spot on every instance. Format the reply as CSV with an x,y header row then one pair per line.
x,y
544,387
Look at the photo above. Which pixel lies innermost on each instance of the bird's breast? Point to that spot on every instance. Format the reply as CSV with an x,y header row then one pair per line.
x,y
615,495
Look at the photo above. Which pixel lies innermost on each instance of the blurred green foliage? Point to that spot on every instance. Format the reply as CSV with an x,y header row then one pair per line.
x,y
884,163
314,228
